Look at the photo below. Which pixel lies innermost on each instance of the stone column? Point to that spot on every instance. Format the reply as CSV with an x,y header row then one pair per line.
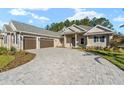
x,y
37,43
76,41
65,39
21,42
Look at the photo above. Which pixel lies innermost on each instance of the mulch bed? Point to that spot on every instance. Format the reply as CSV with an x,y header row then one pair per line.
x,y
20,59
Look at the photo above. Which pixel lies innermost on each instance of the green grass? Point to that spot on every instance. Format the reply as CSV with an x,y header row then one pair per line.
x,y
114,57
5,59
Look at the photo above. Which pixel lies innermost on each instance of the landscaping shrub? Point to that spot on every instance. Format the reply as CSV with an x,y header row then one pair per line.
x,y
13,49
20,54
3,50
114,49
81,46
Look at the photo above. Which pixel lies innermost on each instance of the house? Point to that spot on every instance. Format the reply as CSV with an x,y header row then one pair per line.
x,y
24,36
1,38
97,36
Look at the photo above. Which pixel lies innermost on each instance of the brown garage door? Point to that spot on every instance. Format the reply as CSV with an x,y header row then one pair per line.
x,y
29,43
46,43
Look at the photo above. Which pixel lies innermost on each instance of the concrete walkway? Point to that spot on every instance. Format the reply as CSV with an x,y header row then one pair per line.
x,y
64,66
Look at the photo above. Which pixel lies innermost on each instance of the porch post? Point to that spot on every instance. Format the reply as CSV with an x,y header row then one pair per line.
x,y
37,43
19,41
76,40
22,38
65,41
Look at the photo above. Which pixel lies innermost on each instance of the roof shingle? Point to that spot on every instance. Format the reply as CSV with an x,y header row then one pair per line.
x,y
30,28
8,28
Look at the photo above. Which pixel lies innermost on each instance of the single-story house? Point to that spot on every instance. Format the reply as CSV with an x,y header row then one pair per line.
x,y
23,36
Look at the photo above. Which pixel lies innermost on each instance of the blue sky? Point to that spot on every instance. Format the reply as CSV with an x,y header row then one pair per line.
x,y
42,17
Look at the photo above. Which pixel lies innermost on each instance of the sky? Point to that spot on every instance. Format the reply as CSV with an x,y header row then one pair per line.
x,y
45,16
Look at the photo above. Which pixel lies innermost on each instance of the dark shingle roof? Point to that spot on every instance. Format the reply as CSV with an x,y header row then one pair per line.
x,y
30,28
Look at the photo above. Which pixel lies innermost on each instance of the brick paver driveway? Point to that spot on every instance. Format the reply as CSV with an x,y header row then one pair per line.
x,y
64,66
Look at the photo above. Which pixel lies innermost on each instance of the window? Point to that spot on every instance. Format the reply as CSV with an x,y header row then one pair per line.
x,y
82,40
13,39
102,38
96,39
16,39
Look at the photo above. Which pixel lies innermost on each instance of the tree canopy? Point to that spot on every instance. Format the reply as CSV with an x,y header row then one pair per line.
x,y
86,21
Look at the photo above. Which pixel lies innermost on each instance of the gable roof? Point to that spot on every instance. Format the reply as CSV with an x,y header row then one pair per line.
x,y
86,27
8,28
99,30
27,28
73,29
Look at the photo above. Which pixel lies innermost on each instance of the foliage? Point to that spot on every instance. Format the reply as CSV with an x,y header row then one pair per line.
x,y
3,50
13,49
20,59
86,21
116,40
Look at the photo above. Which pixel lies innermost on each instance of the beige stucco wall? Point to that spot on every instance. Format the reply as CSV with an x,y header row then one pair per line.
x,y
58,42
67,40
91,43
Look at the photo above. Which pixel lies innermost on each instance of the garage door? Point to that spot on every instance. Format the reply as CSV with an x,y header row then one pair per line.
x,y
46,43
29,43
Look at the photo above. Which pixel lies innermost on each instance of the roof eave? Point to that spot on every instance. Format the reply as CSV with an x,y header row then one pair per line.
x,y
37,34
97,34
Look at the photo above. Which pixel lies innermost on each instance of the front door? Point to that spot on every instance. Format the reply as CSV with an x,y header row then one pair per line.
x,y
73,41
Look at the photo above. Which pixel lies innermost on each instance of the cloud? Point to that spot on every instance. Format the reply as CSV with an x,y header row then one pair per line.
x,y
83,13
119,19
18,12
25,12
42,9
41,18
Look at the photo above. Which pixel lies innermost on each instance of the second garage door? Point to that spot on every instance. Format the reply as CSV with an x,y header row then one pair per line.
x,y
46,43
29,43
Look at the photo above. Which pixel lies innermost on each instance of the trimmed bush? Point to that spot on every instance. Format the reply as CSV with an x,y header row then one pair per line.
x,y
13,49
3,50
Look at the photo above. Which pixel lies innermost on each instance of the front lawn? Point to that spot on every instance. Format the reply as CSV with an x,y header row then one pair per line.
x,y
116,58
5,59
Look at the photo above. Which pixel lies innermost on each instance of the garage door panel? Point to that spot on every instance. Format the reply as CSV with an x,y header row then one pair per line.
x,y
46,43
29,43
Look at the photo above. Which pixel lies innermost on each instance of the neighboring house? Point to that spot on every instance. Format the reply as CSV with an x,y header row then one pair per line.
x,y
24,36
